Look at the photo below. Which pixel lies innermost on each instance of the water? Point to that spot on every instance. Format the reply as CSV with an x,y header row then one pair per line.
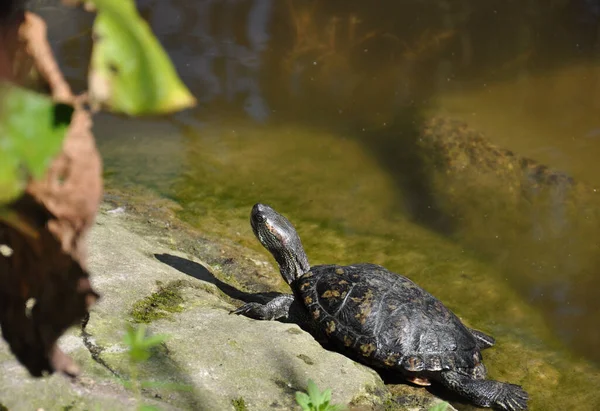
x,y
320,109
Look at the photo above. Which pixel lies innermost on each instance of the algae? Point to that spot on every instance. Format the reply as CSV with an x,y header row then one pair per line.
x,y
239,404
160,304
373,397
337,225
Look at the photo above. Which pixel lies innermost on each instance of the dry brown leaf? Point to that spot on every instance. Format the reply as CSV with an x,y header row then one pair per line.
x,y
44,283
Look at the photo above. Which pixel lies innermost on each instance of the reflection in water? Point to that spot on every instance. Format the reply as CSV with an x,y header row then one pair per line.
x,y
353,105
213,45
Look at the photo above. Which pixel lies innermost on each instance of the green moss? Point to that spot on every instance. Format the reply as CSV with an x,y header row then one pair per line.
x,y
160,304
239,404
375,398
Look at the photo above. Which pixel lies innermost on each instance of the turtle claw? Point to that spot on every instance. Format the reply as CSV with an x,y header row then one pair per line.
x,y
248,309
513,398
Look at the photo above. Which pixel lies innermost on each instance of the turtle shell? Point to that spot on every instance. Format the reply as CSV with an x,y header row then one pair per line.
x,y
385,319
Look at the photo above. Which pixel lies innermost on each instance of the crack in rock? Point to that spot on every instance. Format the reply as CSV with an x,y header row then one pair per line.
x,y
94,349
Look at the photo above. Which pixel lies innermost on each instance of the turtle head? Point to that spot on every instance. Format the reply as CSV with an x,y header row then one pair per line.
x,y
278,235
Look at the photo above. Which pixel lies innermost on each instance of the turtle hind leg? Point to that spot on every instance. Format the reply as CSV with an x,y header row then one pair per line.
x,y
483,340
278,307
486,393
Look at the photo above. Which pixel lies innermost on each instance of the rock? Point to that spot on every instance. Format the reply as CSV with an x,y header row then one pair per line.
x,y
211,360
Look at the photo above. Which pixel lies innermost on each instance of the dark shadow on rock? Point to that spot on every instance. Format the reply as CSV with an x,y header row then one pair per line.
x,y
199,272
168,371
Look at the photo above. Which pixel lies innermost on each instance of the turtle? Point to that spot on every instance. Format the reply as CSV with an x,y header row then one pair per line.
x,y
378,318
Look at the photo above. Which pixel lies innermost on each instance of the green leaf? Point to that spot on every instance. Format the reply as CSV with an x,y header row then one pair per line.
x,y
326,396
138,335
154,340
140,345
440,406
32,129
303,400
313,393
129,70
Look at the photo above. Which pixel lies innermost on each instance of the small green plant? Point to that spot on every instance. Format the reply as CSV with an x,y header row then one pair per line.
x,y
239,404
440,406
139,350
140,347
314,400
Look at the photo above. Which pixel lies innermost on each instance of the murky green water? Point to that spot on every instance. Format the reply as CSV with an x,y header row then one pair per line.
x,y
323,109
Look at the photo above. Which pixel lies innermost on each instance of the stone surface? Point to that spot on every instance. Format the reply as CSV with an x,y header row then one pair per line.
x,y
211,360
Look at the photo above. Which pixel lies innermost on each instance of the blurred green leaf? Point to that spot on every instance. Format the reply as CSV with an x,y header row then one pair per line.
x,y
303,400
32,129
140,345
313,393
315,400
129,71
440,406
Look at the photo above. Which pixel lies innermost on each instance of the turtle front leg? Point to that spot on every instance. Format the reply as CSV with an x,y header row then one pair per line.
x,y
278,307
486,393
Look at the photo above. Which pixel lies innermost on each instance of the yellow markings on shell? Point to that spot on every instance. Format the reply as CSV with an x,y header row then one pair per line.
x,y
347,341
331,294
339,271
365,306
304,286
391,359
316,313
360,317
308,300
308,274
330,327
367,349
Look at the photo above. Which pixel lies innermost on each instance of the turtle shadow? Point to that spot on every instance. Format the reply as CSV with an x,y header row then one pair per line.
x,y
199,272
173,382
